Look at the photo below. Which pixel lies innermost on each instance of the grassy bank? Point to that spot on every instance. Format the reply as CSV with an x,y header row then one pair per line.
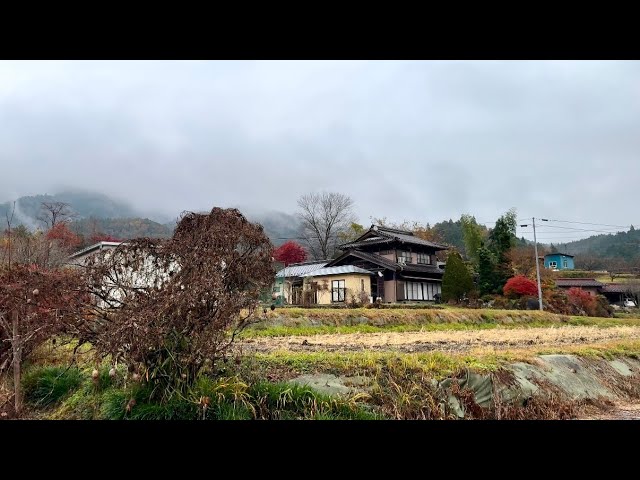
x,y
402,386
300,321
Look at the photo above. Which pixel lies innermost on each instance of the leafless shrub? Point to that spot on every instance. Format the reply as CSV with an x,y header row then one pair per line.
x,y
167,307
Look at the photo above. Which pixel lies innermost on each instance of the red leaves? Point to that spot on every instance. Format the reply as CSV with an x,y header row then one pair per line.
x,y
290,252
103,237
520,285
62,234
583,301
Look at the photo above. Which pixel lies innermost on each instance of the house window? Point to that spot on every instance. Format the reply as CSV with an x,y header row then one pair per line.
x,y
404,257
565,264
337,290
362,285
276,289
420,290
553,264
424,258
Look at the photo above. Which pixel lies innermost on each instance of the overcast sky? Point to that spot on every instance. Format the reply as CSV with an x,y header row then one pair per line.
x,y
421,140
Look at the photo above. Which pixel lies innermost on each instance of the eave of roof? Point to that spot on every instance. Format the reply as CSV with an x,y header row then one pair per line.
x,y
95,246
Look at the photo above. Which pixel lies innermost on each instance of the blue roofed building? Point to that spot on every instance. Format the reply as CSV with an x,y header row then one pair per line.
x,y
559,261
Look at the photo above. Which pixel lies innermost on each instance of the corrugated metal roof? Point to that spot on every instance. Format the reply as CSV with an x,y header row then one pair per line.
x,y
299,270
337,271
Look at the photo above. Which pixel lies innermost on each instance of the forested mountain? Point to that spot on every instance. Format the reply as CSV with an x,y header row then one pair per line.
x,y
120,228
84,204
100,214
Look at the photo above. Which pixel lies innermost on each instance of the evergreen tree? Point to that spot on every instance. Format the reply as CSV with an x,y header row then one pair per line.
x,y
457,281
487,271
501,240
472,235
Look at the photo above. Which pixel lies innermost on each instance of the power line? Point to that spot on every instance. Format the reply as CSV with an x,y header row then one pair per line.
x,y
589,223
575,229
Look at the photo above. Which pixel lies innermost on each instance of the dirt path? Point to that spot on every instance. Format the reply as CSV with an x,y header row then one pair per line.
x,y
452,341
621,411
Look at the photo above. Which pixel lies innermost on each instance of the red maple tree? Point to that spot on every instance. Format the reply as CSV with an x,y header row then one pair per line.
x,y
290,252
64,236
520,285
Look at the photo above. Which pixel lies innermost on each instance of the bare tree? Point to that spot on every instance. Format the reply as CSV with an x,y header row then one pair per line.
x,y
8,250
168,307
324,216
615,267
588,261
52,213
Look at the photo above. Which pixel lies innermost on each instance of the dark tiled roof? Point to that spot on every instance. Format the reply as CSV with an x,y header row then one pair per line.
x,y
386,263
558,253
615,288
385,235
578,282
423,269
375,259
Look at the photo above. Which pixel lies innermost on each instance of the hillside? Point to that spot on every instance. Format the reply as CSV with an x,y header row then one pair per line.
x,y
98,213
84,204
121,228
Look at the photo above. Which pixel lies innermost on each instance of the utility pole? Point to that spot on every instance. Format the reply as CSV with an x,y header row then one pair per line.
x,y
535,248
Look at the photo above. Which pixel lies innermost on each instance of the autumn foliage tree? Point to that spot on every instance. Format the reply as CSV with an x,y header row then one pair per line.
x,y
66,238
168,308
583,302
519,286
290,252
35,304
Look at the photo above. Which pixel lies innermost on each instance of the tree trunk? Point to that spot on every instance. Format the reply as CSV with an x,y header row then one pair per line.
x,y
17,358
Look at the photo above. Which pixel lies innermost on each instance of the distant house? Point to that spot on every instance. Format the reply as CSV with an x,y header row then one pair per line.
x,y
559,261
590,285
404,267
288,281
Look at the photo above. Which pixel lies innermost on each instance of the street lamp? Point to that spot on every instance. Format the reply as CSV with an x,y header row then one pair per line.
x,y
535,248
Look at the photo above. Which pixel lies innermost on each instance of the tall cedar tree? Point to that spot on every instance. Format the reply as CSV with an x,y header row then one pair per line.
x,y
487,281
473,236
501,239
457,281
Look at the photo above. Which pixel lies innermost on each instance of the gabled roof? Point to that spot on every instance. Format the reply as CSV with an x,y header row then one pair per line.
x,y
299,269
578,282
386,263
96,246
558,253
379,234
337,271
